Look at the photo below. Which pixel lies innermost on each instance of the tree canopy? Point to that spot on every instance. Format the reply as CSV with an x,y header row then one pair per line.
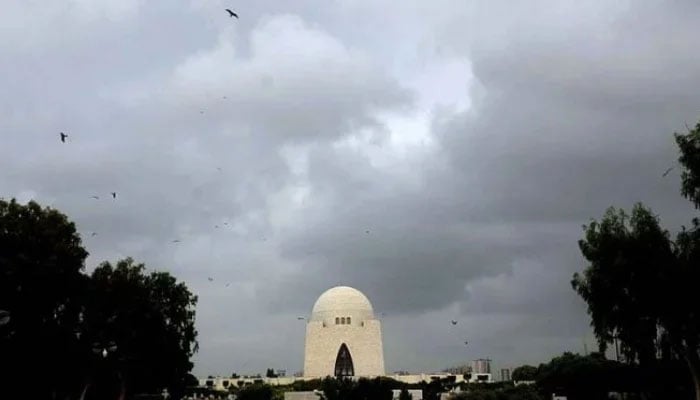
x,y
347,389
119,328
640,285
525,373
150,317
405,394
41,281
629,256
689,146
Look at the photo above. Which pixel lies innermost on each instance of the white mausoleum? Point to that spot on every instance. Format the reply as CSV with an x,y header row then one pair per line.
x,y
343,338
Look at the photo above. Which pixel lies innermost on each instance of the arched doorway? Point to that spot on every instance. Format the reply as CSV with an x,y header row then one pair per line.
x,y
343,362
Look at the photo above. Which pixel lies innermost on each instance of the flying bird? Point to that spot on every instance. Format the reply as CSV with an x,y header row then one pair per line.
x,y
176,241
114,195
466,343
667,171
63,137
95,197
227,285
454,322
225,223
231,13
367,231
301,318
216,226
211,279
93,234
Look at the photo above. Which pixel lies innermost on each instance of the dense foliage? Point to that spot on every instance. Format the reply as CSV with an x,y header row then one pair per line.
x,y
491,392
405,394
119,329
258,392
347,389
150,317
641,286
525,373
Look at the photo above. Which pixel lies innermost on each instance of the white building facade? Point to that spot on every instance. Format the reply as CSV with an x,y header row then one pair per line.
x,y
343,338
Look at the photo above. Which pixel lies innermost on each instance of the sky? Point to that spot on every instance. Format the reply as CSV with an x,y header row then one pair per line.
x,y
439,156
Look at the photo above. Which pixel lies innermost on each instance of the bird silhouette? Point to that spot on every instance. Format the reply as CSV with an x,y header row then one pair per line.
x,y
367,231
227,285
667,171
231,13
300,318
216,226
93,234
454,322
176,241
63,137
211,279
95,197
466,343
225,223
114,195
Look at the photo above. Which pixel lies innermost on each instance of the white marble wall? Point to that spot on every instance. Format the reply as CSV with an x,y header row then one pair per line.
x,y
363,339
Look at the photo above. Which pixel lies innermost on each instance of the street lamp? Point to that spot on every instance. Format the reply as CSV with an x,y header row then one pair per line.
x,y
100,348
4,317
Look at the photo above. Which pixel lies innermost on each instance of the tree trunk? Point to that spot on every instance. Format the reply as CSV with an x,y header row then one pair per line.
x,y
691,357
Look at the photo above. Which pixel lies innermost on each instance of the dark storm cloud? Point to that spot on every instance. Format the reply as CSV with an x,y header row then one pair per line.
x,y
311,135
565,124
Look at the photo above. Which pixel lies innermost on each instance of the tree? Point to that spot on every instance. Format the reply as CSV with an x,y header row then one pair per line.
x,y
639,284
689,146
629,257
577,377
41,260
405,395
150,319
347,389
432,390
684,322
256,392
683,319
270,373
525,373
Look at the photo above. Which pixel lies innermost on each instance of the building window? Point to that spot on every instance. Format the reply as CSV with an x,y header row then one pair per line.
x,y
342,320
337,320
348,320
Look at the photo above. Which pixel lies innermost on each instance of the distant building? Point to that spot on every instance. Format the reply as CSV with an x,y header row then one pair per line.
x,y
505,374
459,370
481,366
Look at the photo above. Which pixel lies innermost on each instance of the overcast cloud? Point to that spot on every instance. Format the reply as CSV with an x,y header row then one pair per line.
x,y
439,156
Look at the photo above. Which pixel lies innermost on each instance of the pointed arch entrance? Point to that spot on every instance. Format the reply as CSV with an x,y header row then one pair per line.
x,y
343,362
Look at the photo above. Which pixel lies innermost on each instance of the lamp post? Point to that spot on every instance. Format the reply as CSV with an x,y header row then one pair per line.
x,y
103,350
4,317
